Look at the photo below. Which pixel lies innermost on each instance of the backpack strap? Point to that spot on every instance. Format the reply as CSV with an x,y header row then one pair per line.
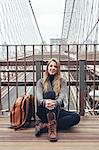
x,y
32,99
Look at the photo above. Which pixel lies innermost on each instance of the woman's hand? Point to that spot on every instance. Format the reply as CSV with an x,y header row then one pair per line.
x,y
50,104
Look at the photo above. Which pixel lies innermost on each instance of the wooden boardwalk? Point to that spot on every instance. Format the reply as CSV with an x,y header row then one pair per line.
x,y
84,136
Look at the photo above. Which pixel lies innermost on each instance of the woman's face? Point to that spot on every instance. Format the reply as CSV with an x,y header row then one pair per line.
x,y
52,68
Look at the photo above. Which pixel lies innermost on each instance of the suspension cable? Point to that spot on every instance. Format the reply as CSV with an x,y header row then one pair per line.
x,y
90,17
70,20
91,31
36,21
63,20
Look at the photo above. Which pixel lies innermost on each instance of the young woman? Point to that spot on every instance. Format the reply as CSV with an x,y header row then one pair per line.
x,y
51,96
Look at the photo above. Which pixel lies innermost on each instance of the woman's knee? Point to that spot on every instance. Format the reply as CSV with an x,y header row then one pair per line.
x,y
76,117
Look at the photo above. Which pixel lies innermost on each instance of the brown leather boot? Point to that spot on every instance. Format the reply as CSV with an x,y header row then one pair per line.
x,y
40,128
52,128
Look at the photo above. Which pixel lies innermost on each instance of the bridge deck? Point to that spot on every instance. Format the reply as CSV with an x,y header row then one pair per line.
x,y
83,136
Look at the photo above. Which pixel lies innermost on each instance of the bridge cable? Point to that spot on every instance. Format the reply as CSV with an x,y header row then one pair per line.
x,y
36,21
70,20
91,31
63,21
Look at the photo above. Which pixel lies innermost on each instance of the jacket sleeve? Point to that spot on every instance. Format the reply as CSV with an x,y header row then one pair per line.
x,y
39,91
63,93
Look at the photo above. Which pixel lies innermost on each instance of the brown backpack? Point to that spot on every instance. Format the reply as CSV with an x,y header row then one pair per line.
x,y
22,111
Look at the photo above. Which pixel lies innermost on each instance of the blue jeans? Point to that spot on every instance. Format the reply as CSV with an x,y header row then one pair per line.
x,y
65,119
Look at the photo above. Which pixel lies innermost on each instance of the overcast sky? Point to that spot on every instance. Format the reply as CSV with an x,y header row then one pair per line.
x,y
49,15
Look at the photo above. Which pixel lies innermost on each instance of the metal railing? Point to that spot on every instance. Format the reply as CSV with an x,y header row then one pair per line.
x,y
22,65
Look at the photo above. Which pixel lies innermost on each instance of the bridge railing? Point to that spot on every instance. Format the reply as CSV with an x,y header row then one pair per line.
x,y
22,65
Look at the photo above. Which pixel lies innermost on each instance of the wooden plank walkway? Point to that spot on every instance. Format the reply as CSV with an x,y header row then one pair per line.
x,y
84,136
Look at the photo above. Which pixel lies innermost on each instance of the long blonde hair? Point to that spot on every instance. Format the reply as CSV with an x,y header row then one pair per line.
x,y
56,81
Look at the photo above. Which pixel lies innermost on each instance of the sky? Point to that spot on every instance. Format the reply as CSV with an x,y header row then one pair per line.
x,y
49,15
